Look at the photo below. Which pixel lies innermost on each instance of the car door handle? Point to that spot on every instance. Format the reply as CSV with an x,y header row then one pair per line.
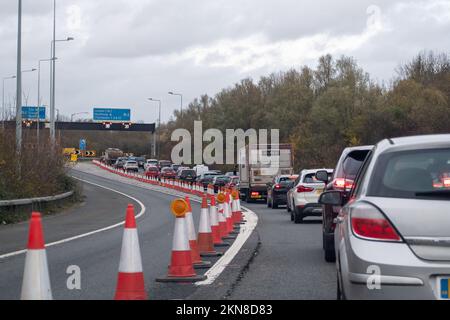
x,y
339,220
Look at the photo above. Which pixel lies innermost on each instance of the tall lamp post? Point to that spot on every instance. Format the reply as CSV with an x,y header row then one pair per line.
x,y
3,100
159,131
53,85
19,82
181,96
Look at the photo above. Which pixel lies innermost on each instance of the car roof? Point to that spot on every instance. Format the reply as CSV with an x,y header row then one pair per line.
x,y
309,171
414,142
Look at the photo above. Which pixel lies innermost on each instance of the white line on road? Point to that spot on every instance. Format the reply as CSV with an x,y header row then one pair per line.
x,y
246,229
141,213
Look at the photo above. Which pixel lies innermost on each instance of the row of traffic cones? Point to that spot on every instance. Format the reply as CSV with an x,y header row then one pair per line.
x,y
187,250
36,280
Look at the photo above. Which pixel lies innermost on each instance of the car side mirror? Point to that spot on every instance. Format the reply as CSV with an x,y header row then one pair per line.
x,y
322,175
333,198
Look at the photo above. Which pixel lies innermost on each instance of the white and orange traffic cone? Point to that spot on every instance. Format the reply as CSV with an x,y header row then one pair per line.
x,y
205,236
36,279
181,268
195,254
222,219
228,214
215,227
130,281
237,214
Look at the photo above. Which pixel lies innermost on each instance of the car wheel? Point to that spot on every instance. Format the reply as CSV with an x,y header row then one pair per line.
x,y
329,253
274,204
298,216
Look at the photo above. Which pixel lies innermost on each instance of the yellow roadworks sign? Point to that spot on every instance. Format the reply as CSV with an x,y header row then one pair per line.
x,y
73,158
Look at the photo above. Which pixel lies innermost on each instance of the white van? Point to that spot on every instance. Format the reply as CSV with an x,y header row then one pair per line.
x,y
201,169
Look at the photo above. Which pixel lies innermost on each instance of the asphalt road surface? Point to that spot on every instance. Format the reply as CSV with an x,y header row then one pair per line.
x,y
287,263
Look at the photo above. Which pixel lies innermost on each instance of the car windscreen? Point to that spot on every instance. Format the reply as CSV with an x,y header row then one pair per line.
x,y
412,175
351,164
131,162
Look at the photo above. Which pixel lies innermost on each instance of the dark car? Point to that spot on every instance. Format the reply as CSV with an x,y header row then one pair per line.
x,y
207,178
343,178
220,182
140,161
187,175
277,190
120,162
167,173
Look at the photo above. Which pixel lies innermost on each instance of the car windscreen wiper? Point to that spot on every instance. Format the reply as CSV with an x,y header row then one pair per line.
x,y
435,193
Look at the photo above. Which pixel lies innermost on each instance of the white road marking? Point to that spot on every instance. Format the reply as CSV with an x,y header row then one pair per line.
x,y
246,229
141,213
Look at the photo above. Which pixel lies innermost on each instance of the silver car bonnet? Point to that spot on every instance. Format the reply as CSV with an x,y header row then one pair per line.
x,y
424,224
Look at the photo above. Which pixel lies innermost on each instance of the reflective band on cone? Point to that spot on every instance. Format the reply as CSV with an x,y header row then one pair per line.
x,y
181,268
36,279
192,236
205,236
215,228
130,282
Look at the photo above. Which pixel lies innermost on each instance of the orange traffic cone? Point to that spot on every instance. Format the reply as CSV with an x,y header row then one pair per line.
x,y
36,279
195,253
222,218
205,236
130,281
215,227
229,227
181,268
237,214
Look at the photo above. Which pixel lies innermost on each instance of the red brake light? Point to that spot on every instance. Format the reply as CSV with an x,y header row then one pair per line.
x,y
446,182
369,223
343,184
302,189
277,186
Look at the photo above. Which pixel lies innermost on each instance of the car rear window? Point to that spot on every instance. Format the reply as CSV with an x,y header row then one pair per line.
x,y
311,178
412,174
188,173
351,164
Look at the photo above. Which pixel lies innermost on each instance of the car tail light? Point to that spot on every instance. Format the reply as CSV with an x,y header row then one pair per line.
x,y
277,186
446,182
303,189
343,184
369,223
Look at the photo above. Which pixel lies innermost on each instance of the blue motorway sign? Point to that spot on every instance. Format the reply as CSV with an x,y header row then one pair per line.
x,y
31,113
83,144
105,114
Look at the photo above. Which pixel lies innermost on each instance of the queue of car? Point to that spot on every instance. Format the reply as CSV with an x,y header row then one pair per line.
x,y
385,212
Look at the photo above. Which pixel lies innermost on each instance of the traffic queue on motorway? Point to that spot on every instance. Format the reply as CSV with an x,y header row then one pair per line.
x,y
384,209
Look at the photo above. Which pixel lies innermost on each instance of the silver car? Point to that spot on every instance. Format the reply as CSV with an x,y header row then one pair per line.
x,y
392,238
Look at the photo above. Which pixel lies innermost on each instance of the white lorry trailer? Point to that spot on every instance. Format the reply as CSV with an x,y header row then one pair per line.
x,y
259,164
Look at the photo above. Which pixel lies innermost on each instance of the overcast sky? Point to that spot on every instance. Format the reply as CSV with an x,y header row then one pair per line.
x,y
128,50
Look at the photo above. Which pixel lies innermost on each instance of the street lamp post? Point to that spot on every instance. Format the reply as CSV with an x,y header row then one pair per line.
x,y
53,80
181,96
19,82
3,100
159,130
